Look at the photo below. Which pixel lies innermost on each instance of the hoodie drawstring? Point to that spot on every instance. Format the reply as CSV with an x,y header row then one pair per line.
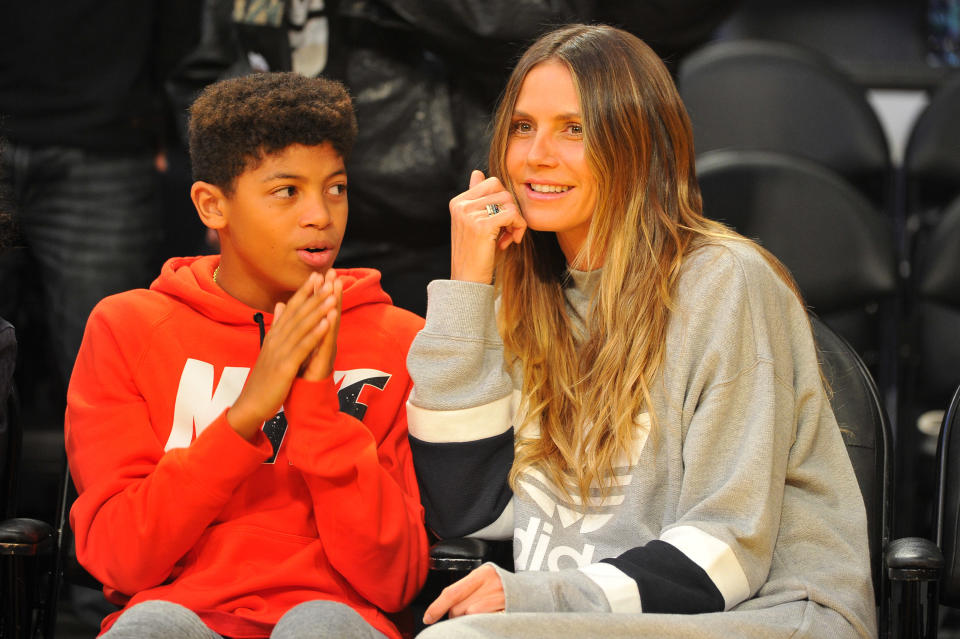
x,y
258,318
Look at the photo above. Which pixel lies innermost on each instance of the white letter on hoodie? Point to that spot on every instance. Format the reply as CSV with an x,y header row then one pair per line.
x,y
197,403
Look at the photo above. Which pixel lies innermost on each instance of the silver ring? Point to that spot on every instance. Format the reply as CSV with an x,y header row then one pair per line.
x,y
492,209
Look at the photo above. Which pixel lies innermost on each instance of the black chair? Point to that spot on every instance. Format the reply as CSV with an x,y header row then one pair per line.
x,y
930,370
781,97
935,566
866,433
838,247
948,504
931,162
63,569
25,544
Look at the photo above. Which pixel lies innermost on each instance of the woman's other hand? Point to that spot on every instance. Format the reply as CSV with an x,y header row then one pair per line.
x,y
476,232
480,591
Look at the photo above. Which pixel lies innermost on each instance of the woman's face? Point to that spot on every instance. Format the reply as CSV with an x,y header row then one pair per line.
x,y
546,159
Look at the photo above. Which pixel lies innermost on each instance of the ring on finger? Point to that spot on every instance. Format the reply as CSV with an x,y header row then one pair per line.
x,y
492,209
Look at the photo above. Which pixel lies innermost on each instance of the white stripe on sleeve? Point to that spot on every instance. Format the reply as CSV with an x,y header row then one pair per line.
x,y
621,591
462,425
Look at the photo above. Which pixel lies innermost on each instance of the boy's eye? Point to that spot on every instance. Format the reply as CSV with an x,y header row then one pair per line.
x,y
286,191
337,189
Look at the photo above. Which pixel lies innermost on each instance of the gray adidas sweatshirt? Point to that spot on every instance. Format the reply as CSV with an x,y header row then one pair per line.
x,y
743,501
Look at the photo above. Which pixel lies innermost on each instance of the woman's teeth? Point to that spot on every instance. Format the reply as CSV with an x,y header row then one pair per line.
x,y
549,188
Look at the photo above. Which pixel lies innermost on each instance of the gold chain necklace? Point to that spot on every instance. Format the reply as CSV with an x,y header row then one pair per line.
x,y
216,272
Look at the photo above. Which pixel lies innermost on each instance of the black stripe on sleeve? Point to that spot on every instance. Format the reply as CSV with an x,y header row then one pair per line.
x,y
668,580
463,485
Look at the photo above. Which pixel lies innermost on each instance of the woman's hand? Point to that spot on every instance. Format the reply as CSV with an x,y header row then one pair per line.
x,y
475,234
480,591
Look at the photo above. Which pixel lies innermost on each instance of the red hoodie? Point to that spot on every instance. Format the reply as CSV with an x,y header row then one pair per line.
x,y
175,505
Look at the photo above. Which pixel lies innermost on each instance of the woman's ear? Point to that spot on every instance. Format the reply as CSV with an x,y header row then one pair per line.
x,y
210,202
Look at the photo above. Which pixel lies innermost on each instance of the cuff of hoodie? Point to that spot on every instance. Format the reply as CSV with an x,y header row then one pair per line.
x,y
314,398
456,360
464,310
321,440
220,458
571,590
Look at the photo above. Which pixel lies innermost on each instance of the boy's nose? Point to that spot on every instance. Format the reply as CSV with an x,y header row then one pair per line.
x,y
315,213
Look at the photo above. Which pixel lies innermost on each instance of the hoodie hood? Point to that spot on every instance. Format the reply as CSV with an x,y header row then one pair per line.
x,y
190,280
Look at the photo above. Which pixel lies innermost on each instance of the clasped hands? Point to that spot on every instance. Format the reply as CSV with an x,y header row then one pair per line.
x,y
301,342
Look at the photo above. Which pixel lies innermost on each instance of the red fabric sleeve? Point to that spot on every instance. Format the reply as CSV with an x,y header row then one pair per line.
x,y
140,510
365,497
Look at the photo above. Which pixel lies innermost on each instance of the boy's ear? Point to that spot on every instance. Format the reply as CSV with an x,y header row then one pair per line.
x,y
210,202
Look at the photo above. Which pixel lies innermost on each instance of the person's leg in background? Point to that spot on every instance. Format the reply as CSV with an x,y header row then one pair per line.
x,y
93,223
89,225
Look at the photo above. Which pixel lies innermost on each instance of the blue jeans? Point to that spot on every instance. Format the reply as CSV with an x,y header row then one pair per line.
x,y
90,226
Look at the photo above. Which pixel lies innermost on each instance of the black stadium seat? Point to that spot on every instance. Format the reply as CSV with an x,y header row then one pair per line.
x,y
775,96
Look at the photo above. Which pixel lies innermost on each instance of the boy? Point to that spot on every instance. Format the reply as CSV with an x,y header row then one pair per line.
x,y
237,433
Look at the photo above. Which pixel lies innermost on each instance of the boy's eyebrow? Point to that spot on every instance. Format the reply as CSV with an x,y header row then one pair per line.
x,y
294,176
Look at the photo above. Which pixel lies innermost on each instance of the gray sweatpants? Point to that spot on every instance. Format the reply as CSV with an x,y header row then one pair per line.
x,y
800,619
309,620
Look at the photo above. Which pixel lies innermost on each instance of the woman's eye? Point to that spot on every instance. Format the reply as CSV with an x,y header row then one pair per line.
x,y
521,127
575,129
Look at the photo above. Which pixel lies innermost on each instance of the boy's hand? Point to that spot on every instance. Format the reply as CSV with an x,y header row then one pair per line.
x,y
297,331
476,234
320,363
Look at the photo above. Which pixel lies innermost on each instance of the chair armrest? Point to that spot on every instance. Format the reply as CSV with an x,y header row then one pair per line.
x,y
25,537
463,554
913,559
913,566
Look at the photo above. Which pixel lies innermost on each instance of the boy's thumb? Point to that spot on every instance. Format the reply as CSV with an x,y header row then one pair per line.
x,y
476,177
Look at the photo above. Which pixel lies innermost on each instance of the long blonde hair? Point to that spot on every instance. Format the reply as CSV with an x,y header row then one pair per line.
x,y
639,145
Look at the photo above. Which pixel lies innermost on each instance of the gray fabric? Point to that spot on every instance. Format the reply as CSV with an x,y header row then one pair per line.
x,y
811,619
465,327
746,451
323,620
158,619
536,591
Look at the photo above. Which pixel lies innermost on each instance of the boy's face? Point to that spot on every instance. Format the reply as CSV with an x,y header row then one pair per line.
x,y
285,219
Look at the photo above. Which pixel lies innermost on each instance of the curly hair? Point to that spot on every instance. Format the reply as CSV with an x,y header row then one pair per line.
x,y
234,123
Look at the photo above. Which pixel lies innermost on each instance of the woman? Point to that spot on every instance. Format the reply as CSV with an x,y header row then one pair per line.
x,y
628,389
